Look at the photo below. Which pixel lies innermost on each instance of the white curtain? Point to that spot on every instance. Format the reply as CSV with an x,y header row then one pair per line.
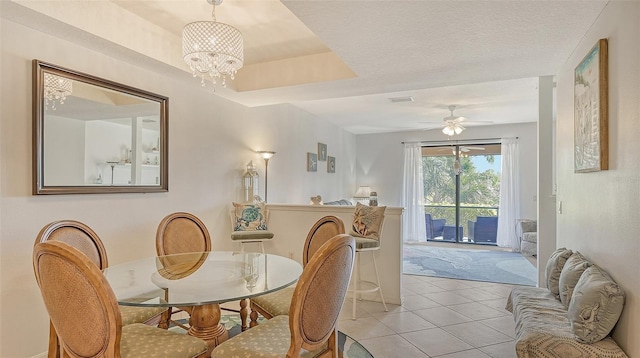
x,y
509,194
413,225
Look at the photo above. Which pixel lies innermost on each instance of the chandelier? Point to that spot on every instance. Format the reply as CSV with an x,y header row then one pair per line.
x,y
452,128
56,88
212,48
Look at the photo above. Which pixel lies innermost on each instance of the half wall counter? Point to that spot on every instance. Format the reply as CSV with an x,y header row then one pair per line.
x,y
291,223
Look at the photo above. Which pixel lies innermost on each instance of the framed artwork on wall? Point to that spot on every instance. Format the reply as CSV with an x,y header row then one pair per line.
x,y
590,111
312,162
331,164
322,152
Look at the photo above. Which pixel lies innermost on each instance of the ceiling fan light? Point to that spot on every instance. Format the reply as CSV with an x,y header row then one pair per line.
x,y
458,129
448,130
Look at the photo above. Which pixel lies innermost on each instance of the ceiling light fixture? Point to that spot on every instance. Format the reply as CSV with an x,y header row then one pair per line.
x,y
452,129
452,126
56,88
212,48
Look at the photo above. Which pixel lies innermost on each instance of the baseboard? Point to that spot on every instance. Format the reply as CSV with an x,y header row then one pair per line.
x,y
41,355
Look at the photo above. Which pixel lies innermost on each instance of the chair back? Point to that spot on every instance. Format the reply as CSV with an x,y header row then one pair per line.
x,y
81,304
181,232
78,235
323,230
319,296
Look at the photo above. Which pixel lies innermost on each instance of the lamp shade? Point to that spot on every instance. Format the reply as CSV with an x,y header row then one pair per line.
x,y
363,192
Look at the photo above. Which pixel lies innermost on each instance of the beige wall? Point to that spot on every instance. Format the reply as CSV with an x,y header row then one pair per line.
x,y
600,210
210,142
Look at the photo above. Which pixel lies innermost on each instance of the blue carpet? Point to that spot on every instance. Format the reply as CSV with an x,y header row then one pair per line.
x,y
464,264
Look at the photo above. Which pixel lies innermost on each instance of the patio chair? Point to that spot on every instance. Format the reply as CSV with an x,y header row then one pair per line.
x,y
435,227
484,230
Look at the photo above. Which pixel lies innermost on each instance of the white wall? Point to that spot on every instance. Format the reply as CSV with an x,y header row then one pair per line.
x,y
600,210
210,142
380,160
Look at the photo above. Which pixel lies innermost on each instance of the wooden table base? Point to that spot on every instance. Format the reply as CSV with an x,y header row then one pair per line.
x,y
205,324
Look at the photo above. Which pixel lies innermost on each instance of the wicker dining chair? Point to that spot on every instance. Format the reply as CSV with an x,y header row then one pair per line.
x,y
84,311
277,303
83,238
179,233
313,314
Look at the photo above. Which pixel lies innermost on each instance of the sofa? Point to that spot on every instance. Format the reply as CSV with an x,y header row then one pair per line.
x,y
573,317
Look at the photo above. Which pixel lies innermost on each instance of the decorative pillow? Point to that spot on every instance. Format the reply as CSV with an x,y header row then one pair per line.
x,y
570,274
367,221
595,306
249,217
554,267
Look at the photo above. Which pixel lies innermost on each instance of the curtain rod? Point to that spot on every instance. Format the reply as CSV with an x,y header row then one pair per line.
x,y
462,141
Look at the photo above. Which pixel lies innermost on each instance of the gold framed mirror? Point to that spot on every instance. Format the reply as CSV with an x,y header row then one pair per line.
x,y
92,135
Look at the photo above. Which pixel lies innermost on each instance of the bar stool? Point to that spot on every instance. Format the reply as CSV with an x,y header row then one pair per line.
x,y
249,224
366,229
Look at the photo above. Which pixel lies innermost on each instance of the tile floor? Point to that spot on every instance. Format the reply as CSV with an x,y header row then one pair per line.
x,y
440,317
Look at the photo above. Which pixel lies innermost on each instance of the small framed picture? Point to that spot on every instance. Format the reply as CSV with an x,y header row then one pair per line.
x,y
322,152
331,164
312,162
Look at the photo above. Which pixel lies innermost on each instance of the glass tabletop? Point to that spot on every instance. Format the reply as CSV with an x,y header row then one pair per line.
x,y
350,348
200,278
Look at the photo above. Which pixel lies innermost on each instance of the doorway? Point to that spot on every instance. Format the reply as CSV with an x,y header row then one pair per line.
x,y
462,192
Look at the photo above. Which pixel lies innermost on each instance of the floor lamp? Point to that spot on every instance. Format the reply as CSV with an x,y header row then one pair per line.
x,y
266,155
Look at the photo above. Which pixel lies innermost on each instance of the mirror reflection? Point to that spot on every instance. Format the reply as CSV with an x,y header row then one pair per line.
x,y
97,136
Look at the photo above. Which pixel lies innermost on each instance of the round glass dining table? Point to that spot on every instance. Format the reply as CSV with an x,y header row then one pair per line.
x,y
198,282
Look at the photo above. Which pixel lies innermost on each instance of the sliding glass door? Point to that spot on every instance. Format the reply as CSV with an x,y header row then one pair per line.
x,y
462,190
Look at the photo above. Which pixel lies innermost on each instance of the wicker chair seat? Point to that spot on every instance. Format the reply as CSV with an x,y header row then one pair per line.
x,y
276,303
132,314
141,340
274,334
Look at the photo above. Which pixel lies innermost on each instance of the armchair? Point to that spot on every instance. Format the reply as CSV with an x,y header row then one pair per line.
x,y
484,230
435,227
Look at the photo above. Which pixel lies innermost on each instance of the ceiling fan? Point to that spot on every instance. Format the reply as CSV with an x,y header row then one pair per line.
x,y
463,149
453,124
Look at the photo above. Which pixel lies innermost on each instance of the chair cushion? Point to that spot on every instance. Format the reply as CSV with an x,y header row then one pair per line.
x,y
131,314
367,221
554,266
596,305
251,235
276,303
249,217
569,276
363,243
270,339
140,340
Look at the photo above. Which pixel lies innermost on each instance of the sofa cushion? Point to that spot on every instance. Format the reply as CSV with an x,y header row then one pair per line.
x,y
595,306
554,268
570,274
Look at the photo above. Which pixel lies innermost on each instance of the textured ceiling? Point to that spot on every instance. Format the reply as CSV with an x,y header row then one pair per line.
x,y
343,60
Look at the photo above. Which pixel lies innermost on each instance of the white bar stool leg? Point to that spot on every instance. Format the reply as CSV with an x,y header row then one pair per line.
x,y
375,267
356,284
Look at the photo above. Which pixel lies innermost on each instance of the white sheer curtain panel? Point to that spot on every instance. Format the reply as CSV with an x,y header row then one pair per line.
x,y
509,194
413,225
